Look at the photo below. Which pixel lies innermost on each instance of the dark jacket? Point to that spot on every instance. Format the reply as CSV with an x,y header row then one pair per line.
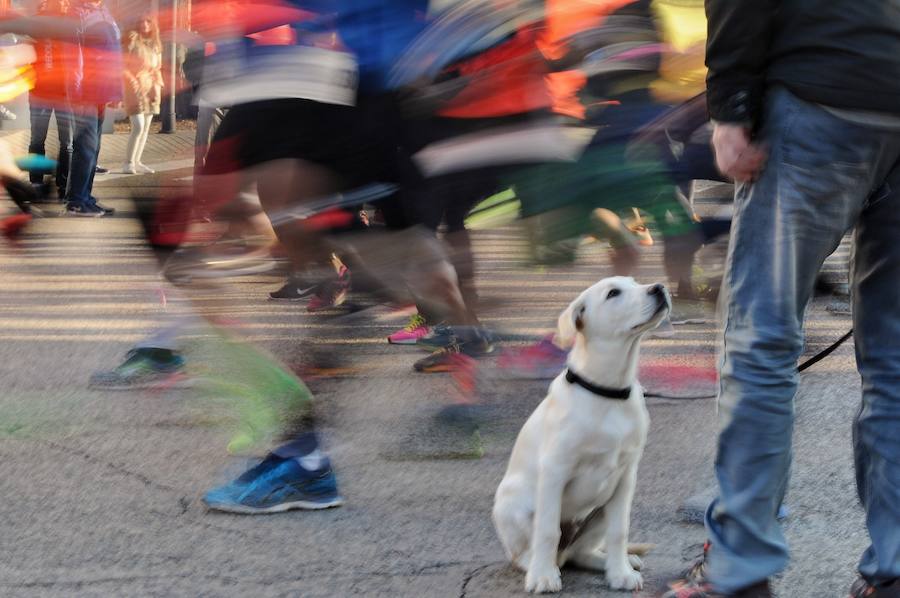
x,y
840,53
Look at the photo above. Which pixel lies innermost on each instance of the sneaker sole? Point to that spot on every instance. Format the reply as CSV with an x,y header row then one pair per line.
x,y
432,348
175,381
279,508
292,299
410,341
84,215
436,369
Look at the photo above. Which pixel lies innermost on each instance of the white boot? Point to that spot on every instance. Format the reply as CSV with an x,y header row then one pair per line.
x,y
129,168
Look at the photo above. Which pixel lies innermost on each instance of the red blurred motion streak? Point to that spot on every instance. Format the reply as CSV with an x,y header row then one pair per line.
x,y
215,19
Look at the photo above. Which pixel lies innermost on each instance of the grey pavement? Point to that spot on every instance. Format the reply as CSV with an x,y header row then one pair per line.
x,y
101,491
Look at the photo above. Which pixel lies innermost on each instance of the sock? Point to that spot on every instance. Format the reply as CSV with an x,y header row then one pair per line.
x,y
305,449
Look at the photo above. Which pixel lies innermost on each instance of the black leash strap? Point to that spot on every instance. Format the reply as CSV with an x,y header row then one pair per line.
x,y
824,352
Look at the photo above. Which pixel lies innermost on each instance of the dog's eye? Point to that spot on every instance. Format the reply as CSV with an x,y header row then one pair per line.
x,y
613,293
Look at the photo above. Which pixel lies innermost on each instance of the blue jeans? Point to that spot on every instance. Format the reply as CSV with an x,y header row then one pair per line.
x,y
86,150
824,176
41,111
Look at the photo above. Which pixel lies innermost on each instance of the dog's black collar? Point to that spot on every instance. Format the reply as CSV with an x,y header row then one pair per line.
x,y
621,394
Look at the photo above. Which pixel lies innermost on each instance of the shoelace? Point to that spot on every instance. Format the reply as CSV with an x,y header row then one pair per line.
x,y
416,321
454,348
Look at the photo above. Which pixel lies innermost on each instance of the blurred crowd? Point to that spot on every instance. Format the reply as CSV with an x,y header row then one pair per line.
x,y
353,145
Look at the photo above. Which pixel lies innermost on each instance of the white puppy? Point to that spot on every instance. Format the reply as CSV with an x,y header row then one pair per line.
x,y
566,495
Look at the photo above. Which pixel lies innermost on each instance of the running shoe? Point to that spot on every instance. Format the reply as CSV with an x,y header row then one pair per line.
x,y
142,368
332,293
693,583
84,210
295,289
412,332
760,590
438,337
540,361
107,211
275,486
455,356
241,257
863,589
639,229
100,170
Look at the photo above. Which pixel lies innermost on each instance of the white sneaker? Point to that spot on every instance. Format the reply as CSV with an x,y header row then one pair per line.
x,y
144,169
128,169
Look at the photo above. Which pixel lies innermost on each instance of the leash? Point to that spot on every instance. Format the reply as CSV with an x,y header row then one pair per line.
x,y
803,366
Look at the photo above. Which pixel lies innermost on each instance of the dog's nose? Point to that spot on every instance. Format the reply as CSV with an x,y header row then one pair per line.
x,y
656,289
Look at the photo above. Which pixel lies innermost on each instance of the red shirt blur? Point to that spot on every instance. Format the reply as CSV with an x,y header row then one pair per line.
x,y
56,60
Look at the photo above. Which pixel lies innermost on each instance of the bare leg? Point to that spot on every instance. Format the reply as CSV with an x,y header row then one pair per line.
x,y
284,183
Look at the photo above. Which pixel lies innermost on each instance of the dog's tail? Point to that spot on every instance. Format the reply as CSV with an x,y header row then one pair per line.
x,y
640,549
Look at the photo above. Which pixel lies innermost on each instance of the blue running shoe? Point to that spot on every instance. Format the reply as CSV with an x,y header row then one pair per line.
x,y
273,487
145,367
441,336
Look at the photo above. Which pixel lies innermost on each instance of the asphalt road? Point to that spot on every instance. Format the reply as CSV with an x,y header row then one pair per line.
x,y
102,490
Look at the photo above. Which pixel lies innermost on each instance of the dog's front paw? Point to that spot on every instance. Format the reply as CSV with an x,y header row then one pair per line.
x,y
628,579
543,579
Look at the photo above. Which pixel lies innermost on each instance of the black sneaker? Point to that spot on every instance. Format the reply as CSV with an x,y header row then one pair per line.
x,y
863,589
107,211
84,210
454,356
100,170
295,289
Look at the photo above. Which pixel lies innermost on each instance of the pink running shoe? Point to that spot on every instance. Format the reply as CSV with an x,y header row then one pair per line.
x,y
416,329
540,361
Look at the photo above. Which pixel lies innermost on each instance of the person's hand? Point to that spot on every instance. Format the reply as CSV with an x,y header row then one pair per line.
x,y
737,157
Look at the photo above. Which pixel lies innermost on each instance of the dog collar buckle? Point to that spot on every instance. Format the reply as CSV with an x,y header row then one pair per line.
x,y
620,394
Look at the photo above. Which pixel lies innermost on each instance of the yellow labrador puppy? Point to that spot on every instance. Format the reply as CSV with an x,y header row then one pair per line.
x,y
566,495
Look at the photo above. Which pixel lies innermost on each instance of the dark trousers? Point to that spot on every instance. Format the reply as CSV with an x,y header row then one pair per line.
x,y
41,111
86,150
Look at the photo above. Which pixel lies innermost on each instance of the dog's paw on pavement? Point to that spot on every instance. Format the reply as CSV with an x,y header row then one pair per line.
x,y
625,580
541,580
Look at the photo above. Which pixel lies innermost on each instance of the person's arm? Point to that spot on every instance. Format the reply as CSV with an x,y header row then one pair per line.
x,y
738,37
739,34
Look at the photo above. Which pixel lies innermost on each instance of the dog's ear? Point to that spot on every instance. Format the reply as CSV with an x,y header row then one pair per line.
x,y
570,323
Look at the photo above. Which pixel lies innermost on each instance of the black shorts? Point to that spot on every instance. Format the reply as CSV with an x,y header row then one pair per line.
x,y
359,143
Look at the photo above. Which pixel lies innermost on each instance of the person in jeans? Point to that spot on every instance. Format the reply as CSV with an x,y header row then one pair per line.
x,y
97,84
55,59
807,122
